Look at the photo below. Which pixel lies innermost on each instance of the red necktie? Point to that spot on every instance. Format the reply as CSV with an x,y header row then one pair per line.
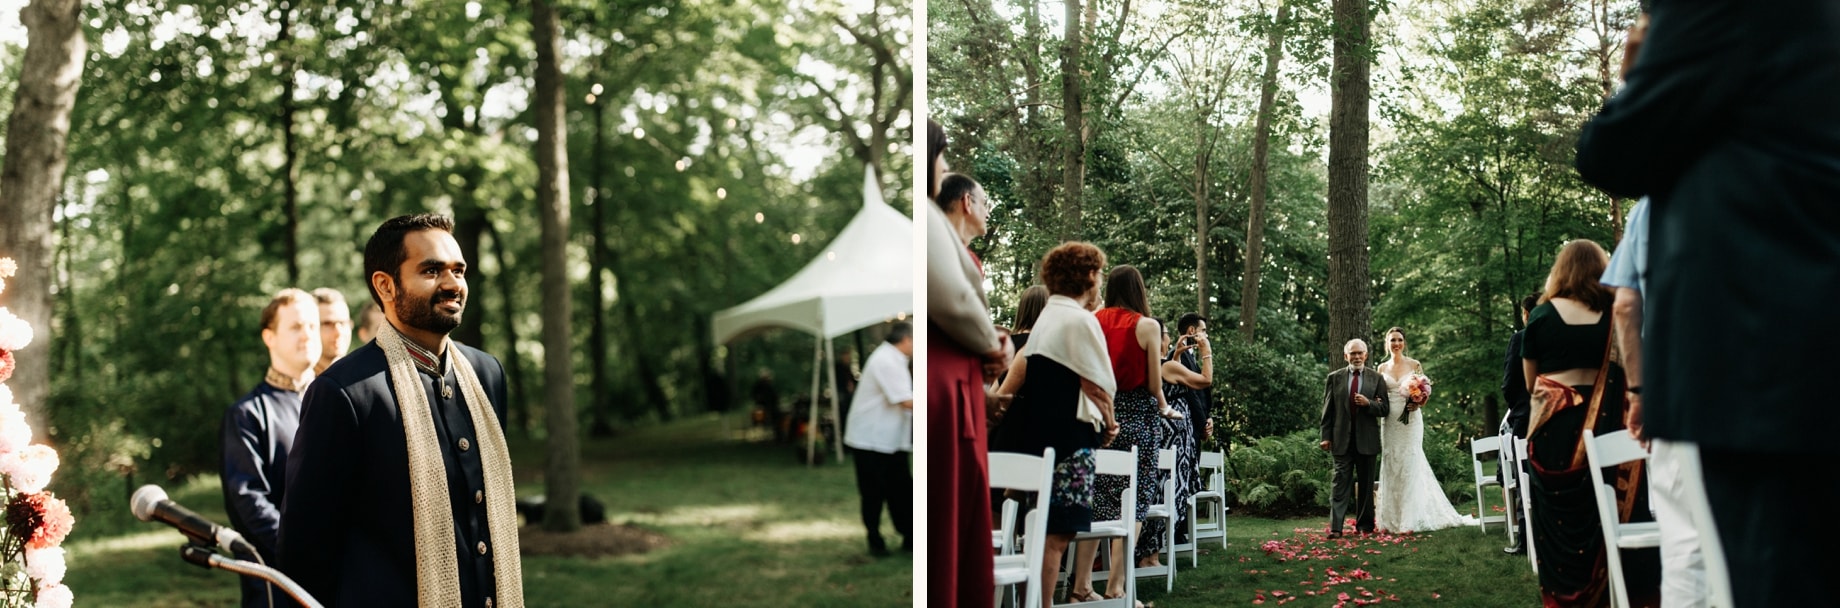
x,y
1354,388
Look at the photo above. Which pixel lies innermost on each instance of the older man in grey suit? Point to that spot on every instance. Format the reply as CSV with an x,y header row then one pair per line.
x,y
1354,400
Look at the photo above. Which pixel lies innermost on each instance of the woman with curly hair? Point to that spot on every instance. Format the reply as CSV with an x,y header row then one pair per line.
x,y
1063,387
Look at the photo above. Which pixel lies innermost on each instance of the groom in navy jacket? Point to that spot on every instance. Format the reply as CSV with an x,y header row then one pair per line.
x,y
1354,401
347,524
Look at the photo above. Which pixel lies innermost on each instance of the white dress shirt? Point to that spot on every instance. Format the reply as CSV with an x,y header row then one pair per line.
x,y
878,423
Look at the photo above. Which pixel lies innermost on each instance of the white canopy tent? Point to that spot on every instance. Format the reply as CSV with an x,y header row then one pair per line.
x,y
863,277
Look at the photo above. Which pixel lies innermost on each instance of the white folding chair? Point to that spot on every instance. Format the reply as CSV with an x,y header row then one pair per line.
x,y
1533,555
1510,467
1477,448
1210,501
1002,539
1121,463
1607,450
1028,474
1166,464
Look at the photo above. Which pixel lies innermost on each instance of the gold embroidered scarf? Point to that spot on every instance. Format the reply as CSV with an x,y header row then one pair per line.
x,y
437,567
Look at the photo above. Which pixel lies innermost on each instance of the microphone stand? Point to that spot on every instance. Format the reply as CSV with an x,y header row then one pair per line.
x,y
204,557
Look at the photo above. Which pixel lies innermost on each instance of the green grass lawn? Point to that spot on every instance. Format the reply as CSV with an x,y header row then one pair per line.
x,y
1455,567
748,526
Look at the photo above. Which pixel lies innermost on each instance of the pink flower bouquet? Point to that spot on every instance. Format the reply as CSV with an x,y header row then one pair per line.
x,y
1417,390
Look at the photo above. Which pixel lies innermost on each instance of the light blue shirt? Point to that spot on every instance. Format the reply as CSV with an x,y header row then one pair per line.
x,y
1629,265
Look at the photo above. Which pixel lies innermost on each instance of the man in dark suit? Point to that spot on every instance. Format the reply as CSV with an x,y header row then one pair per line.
x,y
1520,406
1727,123
1354,401
258,431
399,481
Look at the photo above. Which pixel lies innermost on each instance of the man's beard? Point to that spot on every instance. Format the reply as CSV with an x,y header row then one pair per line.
x,y
422,314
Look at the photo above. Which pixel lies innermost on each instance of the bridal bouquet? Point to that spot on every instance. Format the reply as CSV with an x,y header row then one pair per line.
x,y
31,558
1418,390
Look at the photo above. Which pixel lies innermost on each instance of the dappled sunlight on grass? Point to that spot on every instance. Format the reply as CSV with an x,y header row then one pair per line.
x,y
811,529
697,516
163,537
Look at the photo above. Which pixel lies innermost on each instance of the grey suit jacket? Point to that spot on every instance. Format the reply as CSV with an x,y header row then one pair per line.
x,y
1360,431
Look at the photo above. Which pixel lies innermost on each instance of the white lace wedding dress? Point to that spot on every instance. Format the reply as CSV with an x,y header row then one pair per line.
x,y
1410,497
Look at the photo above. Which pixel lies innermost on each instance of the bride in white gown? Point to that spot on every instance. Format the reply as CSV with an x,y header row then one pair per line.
x,y
1410,498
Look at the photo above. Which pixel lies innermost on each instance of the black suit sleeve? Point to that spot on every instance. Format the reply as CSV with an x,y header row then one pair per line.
x,y
1513,378
322,464
1683,93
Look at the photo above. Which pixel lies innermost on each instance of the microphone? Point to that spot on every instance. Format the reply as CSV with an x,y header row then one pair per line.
x,y
151,504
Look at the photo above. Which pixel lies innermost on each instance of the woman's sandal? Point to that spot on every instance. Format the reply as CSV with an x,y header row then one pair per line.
x,y
1088,595
1139,604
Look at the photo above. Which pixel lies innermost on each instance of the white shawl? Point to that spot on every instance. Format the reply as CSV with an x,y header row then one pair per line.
x,y
1069,334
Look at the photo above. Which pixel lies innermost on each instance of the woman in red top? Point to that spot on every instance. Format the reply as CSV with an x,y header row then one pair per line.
x,y
1130,336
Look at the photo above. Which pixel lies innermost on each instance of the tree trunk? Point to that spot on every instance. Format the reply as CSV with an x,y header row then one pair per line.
x,y
1203,157
562,475
1261,168
290,165
469,224
518,411
37,136
1349,306
600,422
1073,118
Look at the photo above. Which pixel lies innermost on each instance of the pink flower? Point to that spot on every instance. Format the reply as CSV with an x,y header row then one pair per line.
x,y
42,519
6,365
45,565
30,469
54,596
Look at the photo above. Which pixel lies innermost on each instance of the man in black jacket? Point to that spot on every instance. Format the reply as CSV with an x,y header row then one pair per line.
x,y
258,431
1514,392
399,482
1728,123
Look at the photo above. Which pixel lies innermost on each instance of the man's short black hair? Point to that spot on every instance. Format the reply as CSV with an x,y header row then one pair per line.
x,y
1530,302
1187,321
900,331
953,187
384,252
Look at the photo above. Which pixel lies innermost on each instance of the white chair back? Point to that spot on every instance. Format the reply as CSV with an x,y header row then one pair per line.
x,y
1479,447
1607,450
1028,474
1166,467
1209,503
1121,463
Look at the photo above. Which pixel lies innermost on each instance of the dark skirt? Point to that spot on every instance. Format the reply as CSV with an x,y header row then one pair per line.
x,y
1565,529
1178,434
1139,425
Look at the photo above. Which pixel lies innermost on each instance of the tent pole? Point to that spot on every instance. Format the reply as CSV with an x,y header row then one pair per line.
x,y
811,418
830,363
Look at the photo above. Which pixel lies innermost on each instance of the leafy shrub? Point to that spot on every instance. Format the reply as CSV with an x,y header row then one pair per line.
x,y
1279,475
1259,392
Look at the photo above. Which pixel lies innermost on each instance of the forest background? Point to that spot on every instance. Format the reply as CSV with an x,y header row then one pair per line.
x,y
649,162
1300,173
